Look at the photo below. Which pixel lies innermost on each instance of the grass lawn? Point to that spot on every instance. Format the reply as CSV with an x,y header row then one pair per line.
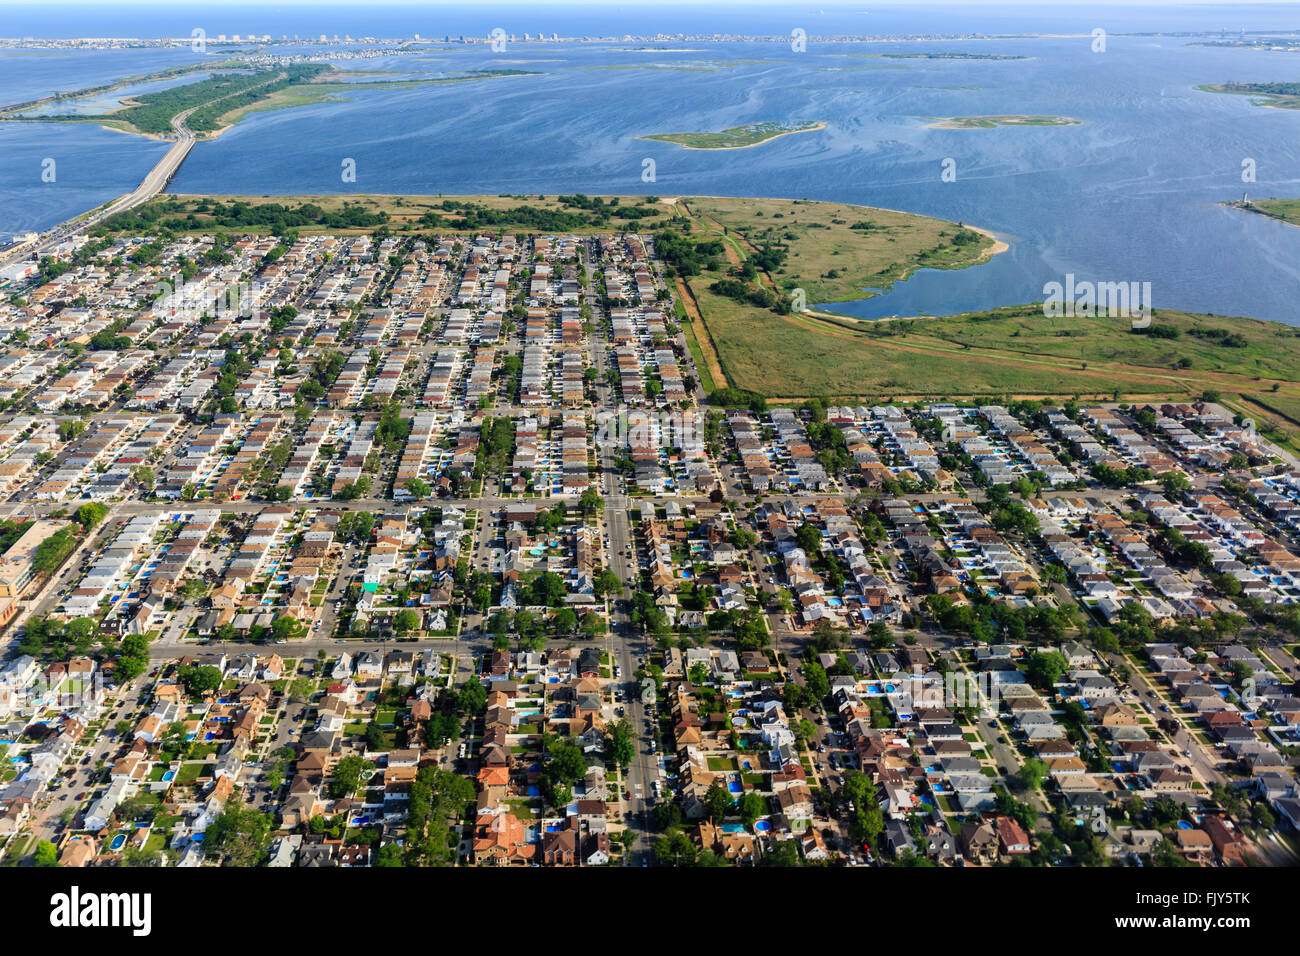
x,y
190,772
155,841
722,764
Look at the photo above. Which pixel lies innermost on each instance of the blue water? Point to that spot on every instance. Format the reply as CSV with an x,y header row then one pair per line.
x,y
1130,195
105,102
29,74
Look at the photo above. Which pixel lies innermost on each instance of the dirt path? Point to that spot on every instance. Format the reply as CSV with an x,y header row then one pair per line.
x,y
705,341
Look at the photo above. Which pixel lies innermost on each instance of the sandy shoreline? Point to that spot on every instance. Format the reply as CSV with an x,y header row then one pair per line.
x,y
998,246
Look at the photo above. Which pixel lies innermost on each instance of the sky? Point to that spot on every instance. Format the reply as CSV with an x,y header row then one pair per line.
x,y
699,4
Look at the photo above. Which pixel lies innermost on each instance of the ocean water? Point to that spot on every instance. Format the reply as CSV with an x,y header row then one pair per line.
x,y
1132,193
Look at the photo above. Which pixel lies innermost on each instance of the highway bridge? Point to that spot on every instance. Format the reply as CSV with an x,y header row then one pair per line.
x,y
154,183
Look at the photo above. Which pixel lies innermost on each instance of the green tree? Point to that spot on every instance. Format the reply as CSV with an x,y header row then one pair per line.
x,y
607,583
133,658
286,627
674,848
752,806
566,620
565,761
1032,773
90,514
199,680
809,538
717,801
45,855
1173,482
347,775
390,854
240,836
620,745
548,589
1045,668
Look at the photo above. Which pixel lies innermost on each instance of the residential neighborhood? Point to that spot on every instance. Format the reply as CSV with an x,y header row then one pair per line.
x,y
441,553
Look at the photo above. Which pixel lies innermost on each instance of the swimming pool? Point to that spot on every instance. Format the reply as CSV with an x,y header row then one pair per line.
x,y
762,826
118,842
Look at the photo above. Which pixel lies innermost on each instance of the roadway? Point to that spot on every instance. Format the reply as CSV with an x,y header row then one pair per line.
x,y
153,183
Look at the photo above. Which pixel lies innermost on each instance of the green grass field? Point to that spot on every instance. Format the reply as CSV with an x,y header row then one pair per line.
x,y
1009,351
1287,210
836,250
737,137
